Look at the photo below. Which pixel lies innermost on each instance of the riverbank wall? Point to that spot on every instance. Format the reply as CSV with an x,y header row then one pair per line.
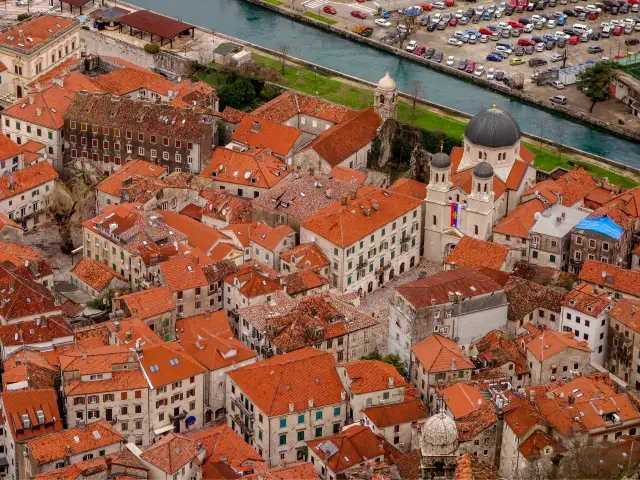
x,y
565,110
139,53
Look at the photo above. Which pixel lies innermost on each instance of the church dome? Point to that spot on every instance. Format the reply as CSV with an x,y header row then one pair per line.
x,y
493,128
439,436
387,83
440,160
483,170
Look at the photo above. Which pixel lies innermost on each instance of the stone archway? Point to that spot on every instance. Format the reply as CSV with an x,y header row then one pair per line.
x,y
370,287
391,274
401,268
448,248
412,262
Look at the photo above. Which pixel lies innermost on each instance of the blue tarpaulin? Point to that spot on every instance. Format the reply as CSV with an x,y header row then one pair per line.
x,y
603,225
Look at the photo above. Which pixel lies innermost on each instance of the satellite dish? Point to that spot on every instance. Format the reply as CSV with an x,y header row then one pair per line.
x,y
604,274
537,215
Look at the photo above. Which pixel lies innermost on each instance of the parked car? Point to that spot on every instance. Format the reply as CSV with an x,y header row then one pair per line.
x,y
381,22
494,57
411,46
525,42
561,99
617,31
574,40
420,49
454,42
483,38
516,61
519,51
499,75
491,74
358,14
329,9
438,5
429,53
631,41
438,57
537,62
471,66
594,49
462,64
557,84
479,71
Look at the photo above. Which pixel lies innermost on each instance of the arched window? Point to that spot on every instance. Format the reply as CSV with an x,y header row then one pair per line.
x,y
479,155
437,178
479,188
485,188
381,99
484,155
435,220
475,229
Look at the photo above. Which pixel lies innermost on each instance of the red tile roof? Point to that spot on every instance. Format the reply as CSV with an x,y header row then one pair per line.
x,y
148,303
303,281
293,378
344,139
291,471
498,349
24,297
462,399
373,208
469,281
77,470
627,311
19,404
225,207
29,35
166,370
171,452
533,446
95,274
550,343
439,354
290,103
599,197
231,115
410,188
7,222
21,255
525,297
257,168
73,441
518,222
8,148
199,235
521,417
355,444
257,132
306,256
584,299
270,237
577,184
616,278
35,331
409,411
476,422
255,279
474,252
631,200
471,467
26,179
113,184
348,175
372,376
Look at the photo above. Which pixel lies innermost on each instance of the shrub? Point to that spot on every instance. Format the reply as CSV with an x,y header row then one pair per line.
x,y
24,16
152,48
620,121
239,94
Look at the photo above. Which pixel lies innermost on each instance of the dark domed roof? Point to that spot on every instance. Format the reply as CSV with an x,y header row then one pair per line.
x,y
483,170
493,128
440,160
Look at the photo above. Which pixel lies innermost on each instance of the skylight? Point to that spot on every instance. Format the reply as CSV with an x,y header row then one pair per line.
x,y
174,361
154,368
96,434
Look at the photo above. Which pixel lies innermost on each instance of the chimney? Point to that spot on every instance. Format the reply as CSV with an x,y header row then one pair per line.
x,y
311,403
127,336
570,399
390,382
223,459
84,355
375,205
116,324
207,314
20,33
59,81
343,396
292,407
30,99
343,201
453,364
353,195
256,126
43,321
38,112
11,287
532,395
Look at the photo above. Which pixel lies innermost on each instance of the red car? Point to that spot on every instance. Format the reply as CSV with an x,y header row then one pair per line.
x,y
449,3
358,14
486,31
592,15
515,24
453,22
618,31
420,49
329,9
523,3
471,66
620,55
574,40
426,7
525,42
634,2
513,3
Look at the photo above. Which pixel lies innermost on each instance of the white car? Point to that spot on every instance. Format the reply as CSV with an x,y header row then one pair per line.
x,y
484,38
616,23
551,24
539,47
528,28
491,74
557,84
630,21
504,26
439,5
459,14
450,60
436,17
411,46
562,35
605,24
537,18
383,23
479,71
593,8
454,41
637,27
556,57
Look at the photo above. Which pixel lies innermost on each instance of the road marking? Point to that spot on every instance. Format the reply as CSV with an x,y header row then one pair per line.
x,y
363,8
314,3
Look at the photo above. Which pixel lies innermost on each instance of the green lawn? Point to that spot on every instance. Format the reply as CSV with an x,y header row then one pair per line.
x,y
274,2
307,81
320,18
633,70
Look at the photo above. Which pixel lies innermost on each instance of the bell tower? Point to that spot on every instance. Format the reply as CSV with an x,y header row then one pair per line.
x,y
385,101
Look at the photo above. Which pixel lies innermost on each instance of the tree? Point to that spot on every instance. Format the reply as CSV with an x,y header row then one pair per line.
x,y
284,54
237,94
391,359
595,80
67,208
152,48
416,91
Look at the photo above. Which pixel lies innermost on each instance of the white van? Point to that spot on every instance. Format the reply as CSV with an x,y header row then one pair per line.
x,y
582,28
606,31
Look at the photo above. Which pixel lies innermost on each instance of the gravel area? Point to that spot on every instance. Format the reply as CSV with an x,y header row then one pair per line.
x,y
377,303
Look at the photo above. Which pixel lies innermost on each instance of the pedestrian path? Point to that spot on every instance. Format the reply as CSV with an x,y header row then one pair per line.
x,y
313,4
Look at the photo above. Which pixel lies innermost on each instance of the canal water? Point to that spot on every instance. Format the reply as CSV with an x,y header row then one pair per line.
x,y
241,19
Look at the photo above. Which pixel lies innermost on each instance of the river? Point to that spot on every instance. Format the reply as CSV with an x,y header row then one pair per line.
x,y
241,19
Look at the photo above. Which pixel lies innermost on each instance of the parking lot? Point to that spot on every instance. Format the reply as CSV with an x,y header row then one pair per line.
x,y
438,39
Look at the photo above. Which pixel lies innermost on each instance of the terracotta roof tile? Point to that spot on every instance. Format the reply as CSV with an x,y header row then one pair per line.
x,y
113,184
303,281
290,471
462,399
344,225
171,452
95,274
355,444
471,467
24,297
469,281
131,332
306,256
521,417
26,179
550,343
258,132
372,376
231,115
255,279
148,303
410,188
217,271
616,278
77,470
8,148
498,349
439,354
550,190
165,371
35,331
348,175
476,422
577,184
631,199
29,35
258,168
516,175
21,254
7,222
584,299
474,252
290,103
73,441
225,207
199,235
270,237
627,311
409,411
292,378
518,222
533,446
525,297
19,404
600,196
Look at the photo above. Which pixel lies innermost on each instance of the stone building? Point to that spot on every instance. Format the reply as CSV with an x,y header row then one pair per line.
x,y
396,422
187,283
438,448
607,278
155,307
385,98
462,304
624,341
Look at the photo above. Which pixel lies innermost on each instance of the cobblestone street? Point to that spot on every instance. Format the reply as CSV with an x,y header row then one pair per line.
x,y
377,303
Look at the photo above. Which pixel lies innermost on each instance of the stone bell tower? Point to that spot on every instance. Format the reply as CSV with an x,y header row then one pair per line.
x,y
385,102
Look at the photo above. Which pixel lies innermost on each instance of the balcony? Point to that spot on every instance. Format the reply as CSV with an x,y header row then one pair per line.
x,y
243,426
243,408
181,416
